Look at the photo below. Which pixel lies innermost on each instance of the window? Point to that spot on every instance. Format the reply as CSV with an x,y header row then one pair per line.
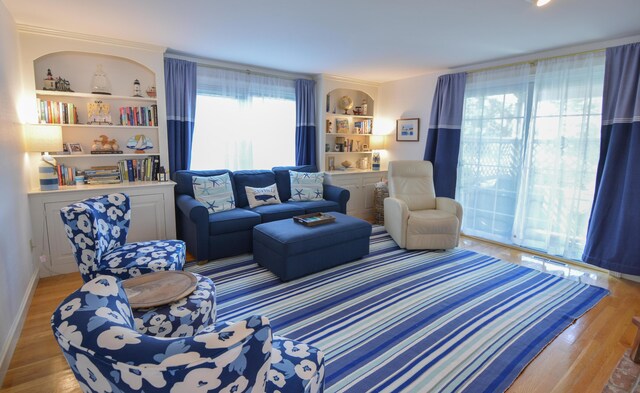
x,y
530,144
243,121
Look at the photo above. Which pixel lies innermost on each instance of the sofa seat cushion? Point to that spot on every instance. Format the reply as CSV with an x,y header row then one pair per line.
x,y
233,220
277,212
322,206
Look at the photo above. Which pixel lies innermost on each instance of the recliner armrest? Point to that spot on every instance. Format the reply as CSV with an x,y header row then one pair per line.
x,y
449,205
336,194
396,215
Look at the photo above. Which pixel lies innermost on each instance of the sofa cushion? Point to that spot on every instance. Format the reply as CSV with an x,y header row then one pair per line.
x,y
306,186
234,220
214,192
184,182
322,206
282,178
253,178
258,196
277,212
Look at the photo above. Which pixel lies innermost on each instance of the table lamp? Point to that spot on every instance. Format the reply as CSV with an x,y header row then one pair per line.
x,y
377,144
44,139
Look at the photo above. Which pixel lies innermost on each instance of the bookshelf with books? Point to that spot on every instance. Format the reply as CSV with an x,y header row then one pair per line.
x,y
87,120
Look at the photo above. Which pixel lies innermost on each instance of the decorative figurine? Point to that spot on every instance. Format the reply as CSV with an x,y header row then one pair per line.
x,y
137,92
105,145
49,82
151,92
140,143
98,113
364,107
162,175
100,83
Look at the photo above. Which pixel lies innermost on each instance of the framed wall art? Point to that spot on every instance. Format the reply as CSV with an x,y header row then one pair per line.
x,y
408,130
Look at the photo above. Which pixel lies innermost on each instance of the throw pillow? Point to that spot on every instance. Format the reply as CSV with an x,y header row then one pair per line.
x,y
262,196
306,186
214,192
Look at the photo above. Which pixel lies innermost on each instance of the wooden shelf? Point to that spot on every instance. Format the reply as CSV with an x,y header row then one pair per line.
x,y
343,134
123,155
100,126
329,153
352,116
90,95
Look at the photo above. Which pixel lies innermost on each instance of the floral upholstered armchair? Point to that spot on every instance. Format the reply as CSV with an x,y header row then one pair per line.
x,y
95,330
97,230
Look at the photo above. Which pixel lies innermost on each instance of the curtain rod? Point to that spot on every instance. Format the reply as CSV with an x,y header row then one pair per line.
x,y
202,62
532,62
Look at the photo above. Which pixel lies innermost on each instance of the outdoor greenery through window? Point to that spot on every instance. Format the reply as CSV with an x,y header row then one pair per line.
x,y
243,121
529,153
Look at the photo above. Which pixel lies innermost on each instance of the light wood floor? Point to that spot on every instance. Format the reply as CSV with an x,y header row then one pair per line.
x,y
579,360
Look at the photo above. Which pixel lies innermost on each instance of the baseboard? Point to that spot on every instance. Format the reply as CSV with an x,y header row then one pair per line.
x,y
16,327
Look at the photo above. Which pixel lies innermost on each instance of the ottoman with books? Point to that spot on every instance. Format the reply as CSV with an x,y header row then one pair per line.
x,y
291,250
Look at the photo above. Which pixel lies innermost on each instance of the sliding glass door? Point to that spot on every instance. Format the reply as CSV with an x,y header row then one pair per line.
x,y
530,145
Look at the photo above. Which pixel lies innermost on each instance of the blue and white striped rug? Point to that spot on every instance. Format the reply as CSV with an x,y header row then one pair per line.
x,y
411,321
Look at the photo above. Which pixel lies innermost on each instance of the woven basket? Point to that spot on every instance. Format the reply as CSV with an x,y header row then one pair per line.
x,y
381,192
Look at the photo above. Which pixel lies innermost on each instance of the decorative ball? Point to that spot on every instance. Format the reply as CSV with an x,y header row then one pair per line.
x,y
346,163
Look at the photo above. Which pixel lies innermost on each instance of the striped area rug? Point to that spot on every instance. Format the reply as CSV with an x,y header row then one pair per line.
x,y
411,321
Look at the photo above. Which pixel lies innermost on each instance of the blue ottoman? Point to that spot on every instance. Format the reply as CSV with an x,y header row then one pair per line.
x,y
291,250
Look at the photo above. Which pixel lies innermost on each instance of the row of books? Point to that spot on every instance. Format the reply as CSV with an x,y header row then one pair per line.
x,y
145,169
363,126
53,112
351,145
139,115
66,175
107,174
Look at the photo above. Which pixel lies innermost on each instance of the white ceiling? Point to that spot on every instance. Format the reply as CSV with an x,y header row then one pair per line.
x,y
374,40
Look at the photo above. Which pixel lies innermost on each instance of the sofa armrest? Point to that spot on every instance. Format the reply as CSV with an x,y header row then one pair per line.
x,y
396,216
193,219
337,194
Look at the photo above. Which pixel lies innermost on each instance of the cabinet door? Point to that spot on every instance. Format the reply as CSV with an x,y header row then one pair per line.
x,y
354,185
61,259
147,218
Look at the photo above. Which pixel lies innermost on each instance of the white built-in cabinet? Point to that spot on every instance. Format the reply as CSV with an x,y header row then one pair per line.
x,y
360,180
75,58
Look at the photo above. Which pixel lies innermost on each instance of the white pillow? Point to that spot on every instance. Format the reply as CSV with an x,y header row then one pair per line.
x,y
306,186
214,192
262,196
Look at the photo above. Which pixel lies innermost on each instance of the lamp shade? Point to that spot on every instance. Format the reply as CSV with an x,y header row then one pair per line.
x,y
377,142
43,138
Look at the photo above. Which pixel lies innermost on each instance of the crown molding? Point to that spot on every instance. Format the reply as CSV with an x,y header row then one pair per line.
x,y
29,29
344,79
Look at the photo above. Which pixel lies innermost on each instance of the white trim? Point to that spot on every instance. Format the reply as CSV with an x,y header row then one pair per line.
x,y
89,37
458,127
344,79
16,328
621,120
206,62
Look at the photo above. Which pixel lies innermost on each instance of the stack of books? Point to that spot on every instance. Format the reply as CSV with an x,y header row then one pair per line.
x,y
53,112
108,174
66,175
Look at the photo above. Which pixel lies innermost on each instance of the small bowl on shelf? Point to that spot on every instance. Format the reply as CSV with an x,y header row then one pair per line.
x,y
346,163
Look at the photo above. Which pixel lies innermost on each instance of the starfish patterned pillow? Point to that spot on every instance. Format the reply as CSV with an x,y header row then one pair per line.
x,y
214,192
306,186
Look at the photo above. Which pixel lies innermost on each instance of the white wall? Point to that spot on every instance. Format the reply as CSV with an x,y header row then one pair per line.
x,y
406,98
18,274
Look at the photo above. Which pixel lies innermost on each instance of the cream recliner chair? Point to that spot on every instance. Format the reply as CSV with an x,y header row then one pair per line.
x,y
413,216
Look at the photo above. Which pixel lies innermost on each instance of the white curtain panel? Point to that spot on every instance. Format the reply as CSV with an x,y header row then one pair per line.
x,y
562,149
492,145
243,120
529,153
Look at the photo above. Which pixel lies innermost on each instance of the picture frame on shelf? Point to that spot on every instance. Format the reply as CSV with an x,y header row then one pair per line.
x,y
331,163
342,125
365,147
75,148
408,130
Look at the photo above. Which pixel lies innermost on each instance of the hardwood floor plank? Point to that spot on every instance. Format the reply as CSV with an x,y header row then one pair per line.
x,y
580,359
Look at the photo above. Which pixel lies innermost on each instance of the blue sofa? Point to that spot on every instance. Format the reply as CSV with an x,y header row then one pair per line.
x,y
227,233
